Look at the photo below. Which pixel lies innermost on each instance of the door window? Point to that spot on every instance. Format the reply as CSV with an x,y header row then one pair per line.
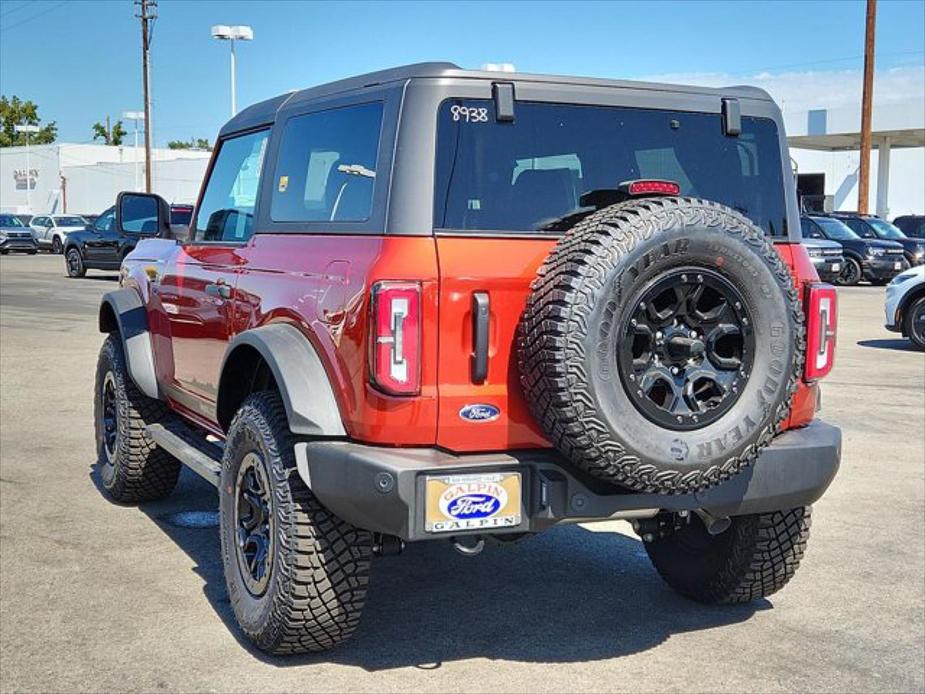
x,y
227,209
327,166
810,230
859,228
105,221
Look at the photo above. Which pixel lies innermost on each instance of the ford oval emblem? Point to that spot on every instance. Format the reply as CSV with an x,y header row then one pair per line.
x,y
473,501
480,413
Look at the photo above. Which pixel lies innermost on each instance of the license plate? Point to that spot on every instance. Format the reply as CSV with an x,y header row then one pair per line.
x,y
455,503
836,267
897,265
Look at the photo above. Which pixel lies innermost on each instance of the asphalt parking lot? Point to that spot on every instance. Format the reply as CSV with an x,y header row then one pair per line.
x,y
100,597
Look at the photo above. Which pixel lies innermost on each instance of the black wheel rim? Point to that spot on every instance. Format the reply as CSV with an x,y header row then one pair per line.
x,y
56,246
851,274
73,262
686,349
918,323
254,524
110,417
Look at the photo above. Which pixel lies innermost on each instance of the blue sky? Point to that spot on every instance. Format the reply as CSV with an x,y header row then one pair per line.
x,y
80,59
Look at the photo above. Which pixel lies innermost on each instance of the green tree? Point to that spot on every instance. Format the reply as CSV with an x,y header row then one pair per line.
x,y
193,143
15,112
109,135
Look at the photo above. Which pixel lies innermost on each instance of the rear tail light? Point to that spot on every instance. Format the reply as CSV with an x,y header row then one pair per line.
x,y
650,187
395,351
821,323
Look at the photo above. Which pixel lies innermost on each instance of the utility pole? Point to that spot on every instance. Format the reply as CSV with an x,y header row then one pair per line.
x,y
866,107
147,14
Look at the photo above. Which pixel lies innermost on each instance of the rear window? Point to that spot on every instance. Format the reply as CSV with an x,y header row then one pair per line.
x,y
181,215
526,175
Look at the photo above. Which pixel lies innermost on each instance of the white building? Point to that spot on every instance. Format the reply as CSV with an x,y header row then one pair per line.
x,y
78,178
825,147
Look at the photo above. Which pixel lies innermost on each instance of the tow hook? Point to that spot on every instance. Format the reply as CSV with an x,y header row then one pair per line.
x,y
714,525
387,545
468,549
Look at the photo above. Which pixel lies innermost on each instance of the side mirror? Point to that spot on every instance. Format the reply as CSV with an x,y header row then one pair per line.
x,y
142,213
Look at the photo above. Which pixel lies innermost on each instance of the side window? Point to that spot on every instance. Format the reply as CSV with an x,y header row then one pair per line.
x,y
227,209
809,230
327,166
859,228
39,222
105,221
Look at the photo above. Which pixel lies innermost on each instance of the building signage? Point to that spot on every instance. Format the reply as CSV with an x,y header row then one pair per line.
x,y
25,178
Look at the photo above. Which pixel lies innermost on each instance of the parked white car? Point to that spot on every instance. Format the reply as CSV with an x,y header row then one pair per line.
x,y
51,230
905,305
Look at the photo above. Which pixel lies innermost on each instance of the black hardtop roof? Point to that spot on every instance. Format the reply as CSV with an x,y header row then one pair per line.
x,y
264,112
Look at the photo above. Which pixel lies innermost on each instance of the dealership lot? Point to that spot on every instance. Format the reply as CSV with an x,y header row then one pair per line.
x,y
99,597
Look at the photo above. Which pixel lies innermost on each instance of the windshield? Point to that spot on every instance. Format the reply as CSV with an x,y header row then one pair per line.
x,y
525,175
835,229
70,221
8,220
885,230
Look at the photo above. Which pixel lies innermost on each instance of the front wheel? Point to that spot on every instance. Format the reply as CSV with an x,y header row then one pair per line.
x,y
132,467
851,274
296,573
915,324
56,246
753,558
75,263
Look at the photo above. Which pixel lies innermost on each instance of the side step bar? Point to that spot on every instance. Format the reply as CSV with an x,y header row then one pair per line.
x,y
199,455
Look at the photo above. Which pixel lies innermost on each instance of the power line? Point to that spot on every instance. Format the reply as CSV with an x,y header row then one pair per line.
x,y
830,61
14,9
35,16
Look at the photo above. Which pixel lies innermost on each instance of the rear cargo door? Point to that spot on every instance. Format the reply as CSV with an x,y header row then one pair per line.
x,y
484,284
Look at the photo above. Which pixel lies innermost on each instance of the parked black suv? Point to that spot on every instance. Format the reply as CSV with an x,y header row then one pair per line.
x,y
872,227
912,225
103,245
871,259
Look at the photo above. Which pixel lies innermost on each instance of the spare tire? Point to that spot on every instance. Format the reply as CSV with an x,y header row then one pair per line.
x,y
661,344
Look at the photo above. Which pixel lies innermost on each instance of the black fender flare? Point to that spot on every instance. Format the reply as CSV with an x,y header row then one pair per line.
x,y
299,373
124,311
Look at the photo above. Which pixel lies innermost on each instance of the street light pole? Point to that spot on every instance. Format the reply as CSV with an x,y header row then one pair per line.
x,y
135,116
234,101
867,99
27,129
223,32
147,14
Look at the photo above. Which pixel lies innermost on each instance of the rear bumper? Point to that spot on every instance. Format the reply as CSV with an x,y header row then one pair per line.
x,y
382,489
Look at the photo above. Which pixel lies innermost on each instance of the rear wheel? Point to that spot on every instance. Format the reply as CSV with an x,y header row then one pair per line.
x,y
74,263
296,573
851,274
753,558
132,467
915,323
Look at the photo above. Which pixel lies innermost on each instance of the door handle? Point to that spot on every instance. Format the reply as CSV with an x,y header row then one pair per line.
x,y
219,289
480,320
